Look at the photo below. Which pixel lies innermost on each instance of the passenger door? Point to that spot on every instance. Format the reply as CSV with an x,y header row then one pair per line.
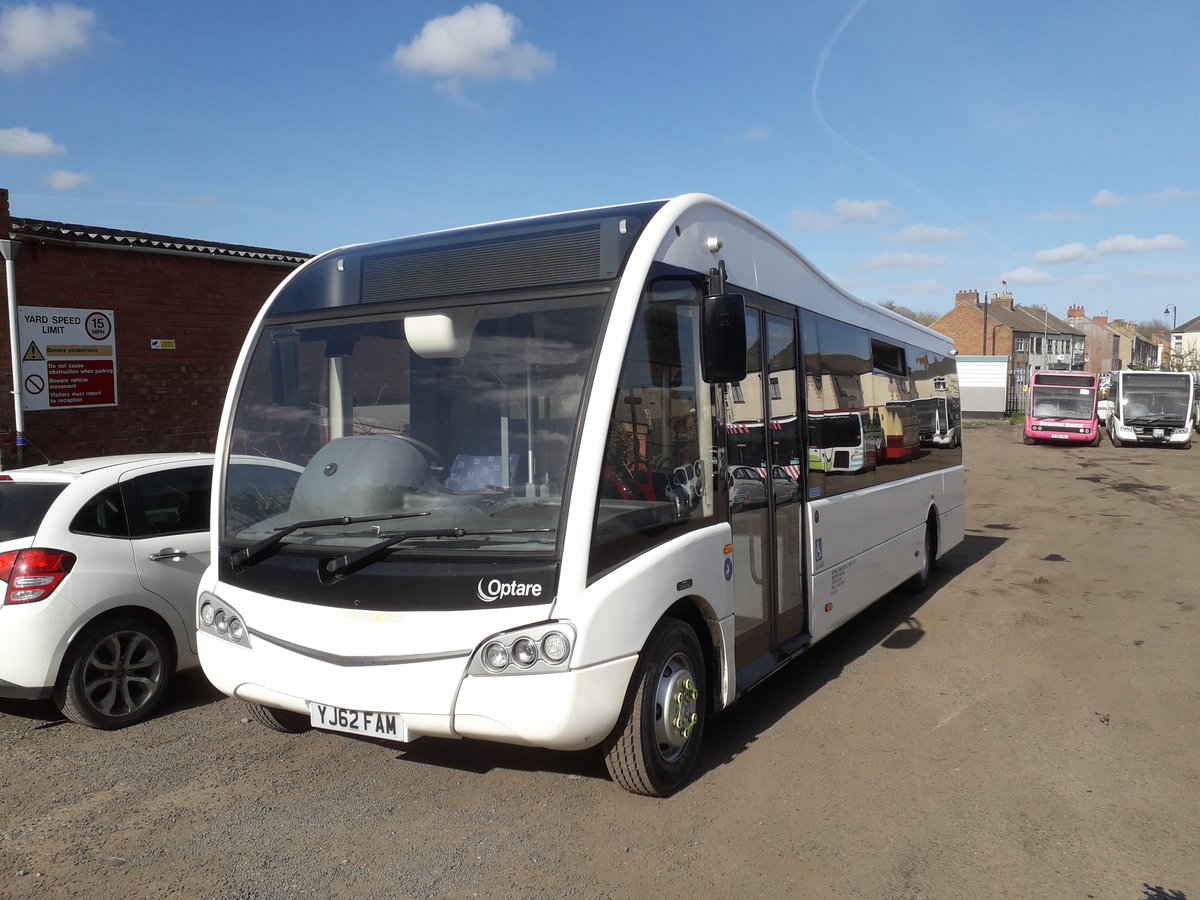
x,y
763,434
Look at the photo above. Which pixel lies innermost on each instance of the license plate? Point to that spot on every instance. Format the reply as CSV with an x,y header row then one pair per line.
x,y
1060,437
1159,433
357,721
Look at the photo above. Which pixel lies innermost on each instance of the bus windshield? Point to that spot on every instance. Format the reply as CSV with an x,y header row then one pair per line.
x,y
447,429
1150,397
1058,401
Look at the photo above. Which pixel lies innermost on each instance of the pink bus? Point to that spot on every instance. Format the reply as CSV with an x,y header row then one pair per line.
x,y
1062,408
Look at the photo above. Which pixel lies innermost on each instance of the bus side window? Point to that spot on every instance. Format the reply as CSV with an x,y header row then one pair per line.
x,y
658,431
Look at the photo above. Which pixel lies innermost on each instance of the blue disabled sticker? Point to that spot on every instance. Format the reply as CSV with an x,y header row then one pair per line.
x,y
820,553
728,568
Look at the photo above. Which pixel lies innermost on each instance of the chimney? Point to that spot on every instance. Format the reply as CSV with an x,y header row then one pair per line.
x,y
5,217
971,297
1100,320
1003,298
1076,312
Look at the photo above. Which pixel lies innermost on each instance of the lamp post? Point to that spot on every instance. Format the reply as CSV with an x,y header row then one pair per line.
x,y
1174,311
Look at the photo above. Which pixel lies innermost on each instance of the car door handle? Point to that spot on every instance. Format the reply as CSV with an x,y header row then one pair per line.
x,y
167,553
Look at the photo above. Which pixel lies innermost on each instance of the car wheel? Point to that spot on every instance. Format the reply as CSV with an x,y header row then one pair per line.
x,y
653,749
1116,441
114,674
278,719
1026,439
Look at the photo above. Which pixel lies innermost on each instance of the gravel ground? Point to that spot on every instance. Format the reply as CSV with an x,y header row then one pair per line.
x,y
1028,728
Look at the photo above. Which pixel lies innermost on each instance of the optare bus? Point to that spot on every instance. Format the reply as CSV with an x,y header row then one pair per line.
x,y
1062,408
484,539
1152,408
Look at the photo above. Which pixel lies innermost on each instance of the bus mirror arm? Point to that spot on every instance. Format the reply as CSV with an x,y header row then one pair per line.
x,y
723,338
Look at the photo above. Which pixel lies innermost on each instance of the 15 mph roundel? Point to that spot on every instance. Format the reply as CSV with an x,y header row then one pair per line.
x,y
495,589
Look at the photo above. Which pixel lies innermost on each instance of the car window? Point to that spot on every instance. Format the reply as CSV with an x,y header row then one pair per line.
x,y
22,506
173,501
102,515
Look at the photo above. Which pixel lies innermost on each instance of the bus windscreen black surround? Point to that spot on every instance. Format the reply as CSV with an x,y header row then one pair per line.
x,y
1063,380
572,248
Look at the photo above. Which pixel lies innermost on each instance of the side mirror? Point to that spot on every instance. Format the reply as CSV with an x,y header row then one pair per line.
x,y
723,338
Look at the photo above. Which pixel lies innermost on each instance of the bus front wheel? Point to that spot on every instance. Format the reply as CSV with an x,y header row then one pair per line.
x,y
654,746
278,719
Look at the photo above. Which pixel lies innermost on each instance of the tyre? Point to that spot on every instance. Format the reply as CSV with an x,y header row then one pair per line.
x,y
653,749
115,673
1116,441
1026,439
920,581
279,719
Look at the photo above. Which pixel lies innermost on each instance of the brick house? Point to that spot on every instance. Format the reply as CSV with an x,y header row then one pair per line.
x,y
180,310
1103,344
1030,337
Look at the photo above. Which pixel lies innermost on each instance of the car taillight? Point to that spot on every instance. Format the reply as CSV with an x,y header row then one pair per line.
x,y
32,575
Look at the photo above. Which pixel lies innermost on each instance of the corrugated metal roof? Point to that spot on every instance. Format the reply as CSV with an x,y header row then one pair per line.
x,y
116,237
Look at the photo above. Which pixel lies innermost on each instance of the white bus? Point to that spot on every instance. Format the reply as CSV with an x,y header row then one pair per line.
x,y
484,541
1152,408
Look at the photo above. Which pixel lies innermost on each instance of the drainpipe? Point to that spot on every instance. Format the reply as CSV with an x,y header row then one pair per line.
x,y
9,250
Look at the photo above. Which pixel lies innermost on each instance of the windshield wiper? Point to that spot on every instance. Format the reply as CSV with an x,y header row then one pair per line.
x,y
247,556
359,558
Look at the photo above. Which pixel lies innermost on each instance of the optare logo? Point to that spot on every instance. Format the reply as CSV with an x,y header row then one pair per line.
x,y
497,590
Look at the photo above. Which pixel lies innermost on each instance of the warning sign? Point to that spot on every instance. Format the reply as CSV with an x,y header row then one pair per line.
x,y
70,360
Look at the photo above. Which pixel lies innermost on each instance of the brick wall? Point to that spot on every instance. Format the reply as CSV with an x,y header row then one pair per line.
x,y
167,399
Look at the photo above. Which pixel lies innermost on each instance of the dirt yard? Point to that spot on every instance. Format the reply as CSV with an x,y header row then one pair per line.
x,y
1027,728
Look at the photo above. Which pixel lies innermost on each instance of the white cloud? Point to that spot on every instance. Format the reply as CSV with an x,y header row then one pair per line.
x,y
845,212
475,42
933,287
1108,198
1058,215
23,142
42,35
904,261
1171,194
924,234
1128,243
1064,254
758,133
809,219
1026,275
861,212
62,180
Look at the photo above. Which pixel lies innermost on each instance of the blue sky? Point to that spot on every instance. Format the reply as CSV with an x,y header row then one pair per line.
x,y
908,149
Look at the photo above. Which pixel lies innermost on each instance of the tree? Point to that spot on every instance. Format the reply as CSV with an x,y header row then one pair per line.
x,y
1185,360
924,316
1147,329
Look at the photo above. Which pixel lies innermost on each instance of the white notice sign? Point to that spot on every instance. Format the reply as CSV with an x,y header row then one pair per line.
x,y
68,357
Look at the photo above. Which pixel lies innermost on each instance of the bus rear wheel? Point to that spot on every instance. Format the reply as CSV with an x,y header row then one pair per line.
x,y
654,746
920,581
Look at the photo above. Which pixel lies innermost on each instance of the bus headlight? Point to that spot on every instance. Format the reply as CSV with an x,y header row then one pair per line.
x,y
216,617
525,651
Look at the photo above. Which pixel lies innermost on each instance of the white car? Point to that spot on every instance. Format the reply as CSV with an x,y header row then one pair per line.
x,y
99,563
